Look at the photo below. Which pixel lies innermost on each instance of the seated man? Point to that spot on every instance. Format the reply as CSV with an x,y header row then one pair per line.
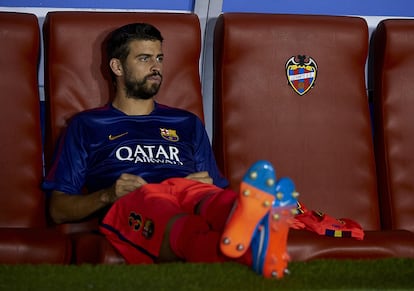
x,y
153,166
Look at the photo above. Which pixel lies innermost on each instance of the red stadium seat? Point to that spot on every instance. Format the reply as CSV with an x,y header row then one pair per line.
x,y
77,78
392,64
291,89
24,235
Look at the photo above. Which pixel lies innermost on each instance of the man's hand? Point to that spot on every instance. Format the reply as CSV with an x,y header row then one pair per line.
x,y
202,177
125,184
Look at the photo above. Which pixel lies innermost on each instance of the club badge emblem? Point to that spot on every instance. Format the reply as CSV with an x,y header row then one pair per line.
x,y
148,229
169,134
301,73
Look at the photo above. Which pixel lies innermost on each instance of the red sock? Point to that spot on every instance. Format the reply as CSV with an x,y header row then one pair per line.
x,y
192,240
216,209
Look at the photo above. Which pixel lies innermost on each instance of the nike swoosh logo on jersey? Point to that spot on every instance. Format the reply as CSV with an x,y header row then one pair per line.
x,y
114,137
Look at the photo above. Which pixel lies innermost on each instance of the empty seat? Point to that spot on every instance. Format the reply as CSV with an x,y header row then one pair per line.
x,y
24,235
392,68
291,89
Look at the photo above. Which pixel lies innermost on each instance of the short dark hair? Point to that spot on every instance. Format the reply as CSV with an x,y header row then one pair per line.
x,y
119,39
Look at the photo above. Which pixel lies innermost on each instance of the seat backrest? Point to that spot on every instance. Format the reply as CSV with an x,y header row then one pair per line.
x,y
313,126
392,69
77,76
21,199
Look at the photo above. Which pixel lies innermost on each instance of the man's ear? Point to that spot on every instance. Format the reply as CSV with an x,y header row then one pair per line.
x,y
116,66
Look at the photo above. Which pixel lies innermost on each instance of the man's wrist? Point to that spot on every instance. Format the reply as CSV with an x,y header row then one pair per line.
x,y
106,197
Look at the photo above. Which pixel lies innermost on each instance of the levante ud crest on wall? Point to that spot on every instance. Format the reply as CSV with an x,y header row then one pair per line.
x,y
301,73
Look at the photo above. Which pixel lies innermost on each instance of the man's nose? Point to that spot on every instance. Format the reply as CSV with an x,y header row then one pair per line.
x,y
156,65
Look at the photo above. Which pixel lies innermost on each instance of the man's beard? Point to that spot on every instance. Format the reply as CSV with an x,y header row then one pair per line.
x,y
138,89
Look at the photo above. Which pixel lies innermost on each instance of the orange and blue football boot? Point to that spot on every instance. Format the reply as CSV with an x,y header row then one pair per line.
x,y
269,244
261,219
257,194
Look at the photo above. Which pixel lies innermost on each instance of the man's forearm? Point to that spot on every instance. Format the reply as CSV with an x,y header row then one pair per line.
x,y
69,208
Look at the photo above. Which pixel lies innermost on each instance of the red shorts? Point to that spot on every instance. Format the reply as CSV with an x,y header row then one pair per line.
x,y
135,224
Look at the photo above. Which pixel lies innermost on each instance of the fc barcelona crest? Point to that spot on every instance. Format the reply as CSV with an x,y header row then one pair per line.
x,y
169,134
301,73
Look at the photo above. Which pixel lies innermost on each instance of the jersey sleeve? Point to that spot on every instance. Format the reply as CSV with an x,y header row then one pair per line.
x,y
67,173
204,156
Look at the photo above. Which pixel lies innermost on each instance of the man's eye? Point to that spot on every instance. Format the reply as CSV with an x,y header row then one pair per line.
x,y
160,59
144,59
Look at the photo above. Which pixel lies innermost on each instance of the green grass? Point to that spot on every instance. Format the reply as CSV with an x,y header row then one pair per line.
x,y
386,274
